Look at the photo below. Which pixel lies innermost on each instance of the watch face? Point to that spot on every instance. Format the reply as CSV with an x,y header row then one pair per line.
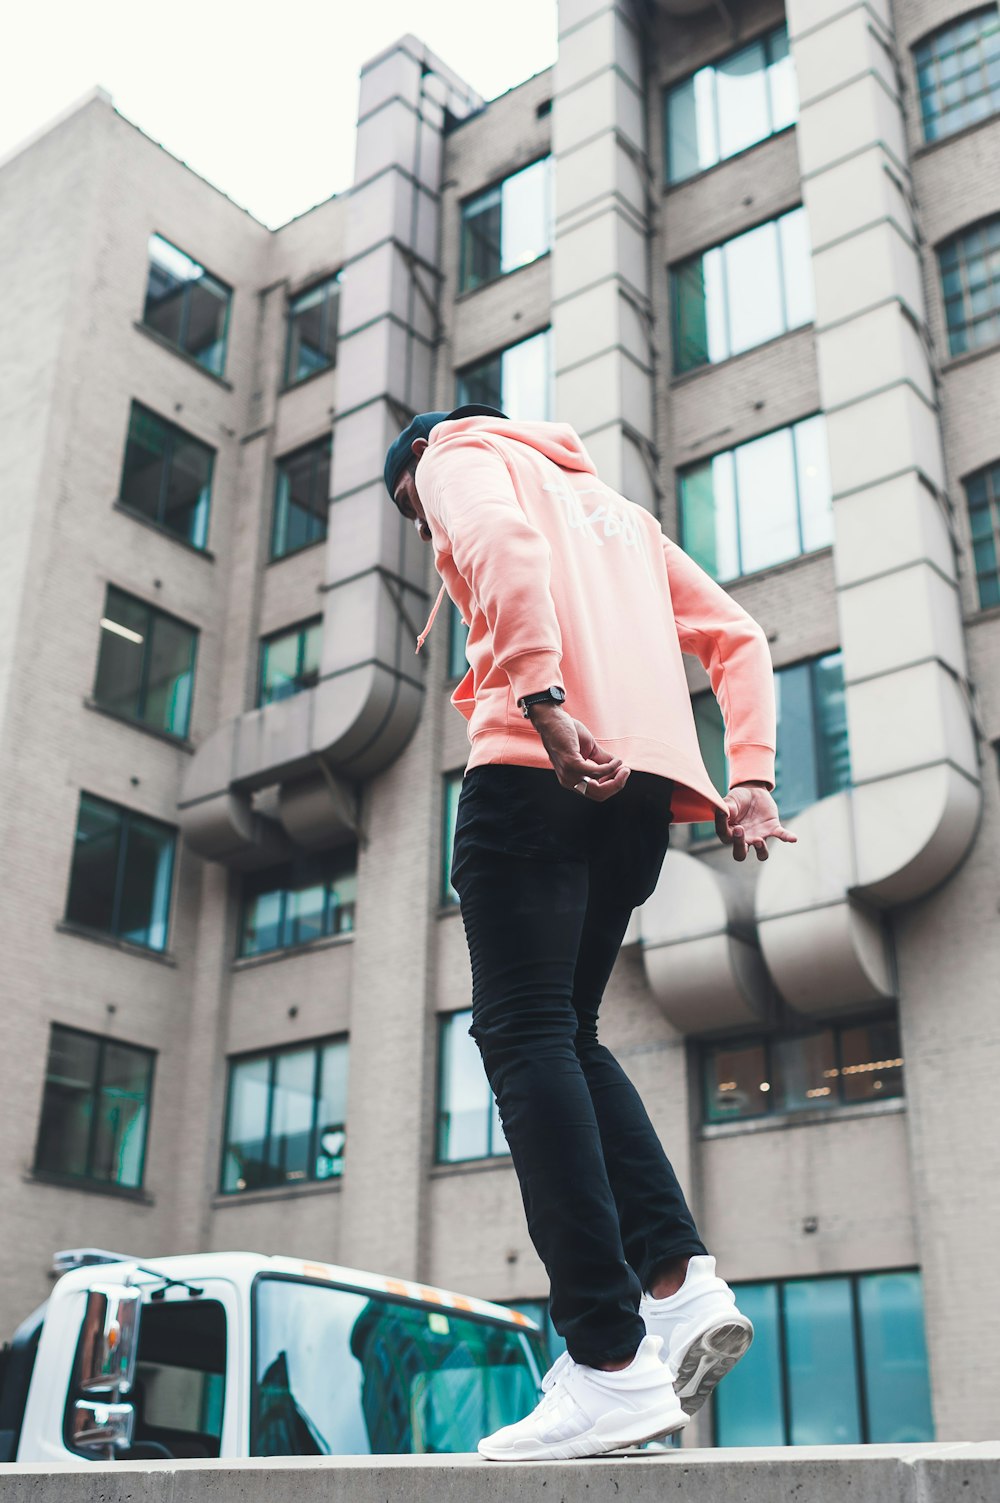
x,y
557,694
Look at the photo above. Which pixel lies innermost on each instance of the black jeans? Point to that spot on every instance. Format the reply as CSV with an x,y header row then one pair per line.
x,y
548,882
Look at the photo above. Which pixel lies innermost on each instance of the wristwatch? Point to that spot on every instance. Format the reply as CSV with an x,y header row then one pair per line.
x,y
554,695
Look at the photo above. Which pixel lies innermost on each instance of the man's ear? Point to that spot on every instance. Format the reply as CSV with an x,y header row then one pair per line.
x,y
418,446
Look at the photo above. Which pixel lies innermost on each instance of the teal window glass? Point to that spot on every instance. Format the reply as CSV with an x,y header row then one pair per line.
x,y
458,636
286,1116
186,305
739,294
969,266
517,380
301,498
95,1109
311,344
167,476
758,504
121,874
839,1064
145,664
508,226
452,793
730,105
834,1361
982,495
469,1124
958,73
289,661
311,898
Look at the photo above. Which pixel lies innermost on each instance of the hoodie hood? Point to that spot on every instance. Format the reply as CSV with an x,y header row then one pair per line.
x,y
557,441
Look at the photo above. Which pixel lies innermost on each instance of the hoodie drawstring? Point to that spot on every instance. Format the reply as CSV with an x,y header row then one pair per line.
x,y
430,620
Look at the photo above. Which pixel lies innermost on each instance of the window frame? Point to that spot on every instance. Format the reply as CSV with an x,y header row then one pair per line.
x,y
990,474
125,814
763,39
317,1045
446,1020
171,431
313,447
957,243
178,344
296,946
40,1171
934,58
154,612
331,280
464,287
301,629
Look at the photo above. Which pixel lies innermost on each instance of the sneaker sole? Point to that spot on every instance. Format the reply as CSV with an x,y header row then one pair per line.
x,y
591,1444
708,1359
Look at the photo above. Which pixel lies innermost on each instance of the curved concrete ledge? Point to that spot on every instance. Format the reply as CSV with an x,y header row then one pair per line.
x,y
936,1473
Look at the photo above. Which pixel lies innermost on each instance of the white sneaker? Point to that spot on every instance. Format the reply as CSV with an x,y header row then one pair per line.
x,y
704,1335
587,1412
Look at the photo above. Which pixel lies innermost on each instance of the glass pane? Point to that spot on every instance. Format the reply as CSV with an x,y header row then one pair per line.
x,y
312,331
691,139
145,458
711,739
482,384
280,666
204,334
815,491
753,288
465,1098
720,342
123,643
144,910
736,1082
708,517
332,1115
748,1405
525,229
189,484
169,676
68,1103
796,262
897,1382
781,82
312,649
822,1367
481,240
122,1111
795,768
458,636
452,793
306,914
834,751
741,89
292,1109
95,865
691,344
768,506
527,379
871,1061
302,499
245,1166
170,270
805,1071
263,923
343,901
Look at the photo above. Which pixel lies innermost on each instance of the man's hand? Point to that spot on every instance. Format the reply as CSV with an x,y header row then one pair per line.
x,y
575,754
752,820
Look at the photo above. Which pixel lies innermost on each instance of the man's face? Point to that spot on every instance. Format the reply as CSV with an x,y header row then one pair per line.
x,y
406,497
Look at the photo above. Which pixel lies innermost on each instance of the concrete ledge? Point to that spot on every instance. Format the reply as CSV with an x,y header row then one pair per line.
x,y
942,1473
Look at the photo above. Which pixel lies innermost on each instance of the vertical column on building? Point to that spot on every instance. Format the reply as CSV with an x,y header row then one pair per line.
x,y
601,312
386,357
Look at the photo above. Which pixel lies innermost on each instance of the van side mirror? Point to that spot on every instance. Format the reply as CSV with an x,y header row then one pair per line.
x,y
101,1427
109,1340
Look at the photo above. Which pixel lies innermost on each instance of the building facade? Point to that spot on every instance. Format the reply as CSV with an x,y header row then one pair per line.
x,y
752,253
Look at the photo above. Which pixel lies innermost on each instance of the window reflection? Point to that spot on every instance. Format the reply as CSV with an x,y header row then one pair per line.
x,y
469,1124
186,305
285,1118
518,380
95,1109
289,661
508,226
300,901
312,331
302,498
121,874
167,476
958,73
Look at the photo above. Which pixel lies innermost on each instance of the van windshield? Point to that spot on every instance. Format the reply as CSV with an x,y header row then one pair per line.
x,y
340,1372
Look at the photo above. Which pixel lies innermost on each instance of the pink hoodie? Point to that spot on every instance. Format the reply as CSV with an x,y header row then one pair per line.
x,y
563,581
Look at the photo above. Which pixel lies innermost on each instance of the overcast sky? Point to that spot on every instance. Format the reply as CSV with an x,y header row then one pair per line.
x,y
258,96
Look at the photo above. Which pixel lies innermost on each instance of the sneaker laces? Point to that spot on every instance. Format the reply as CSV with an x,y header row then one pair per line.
x,y
562,1363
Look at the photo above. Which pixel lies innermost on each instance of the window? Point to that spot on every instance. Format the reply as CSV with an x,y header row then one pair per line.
x,y
813,755
301,498
180,1374
285,1117
508,226
970,283
458,636
739,294
729,106
834,1361
452,792
145,664
304,900
982,493
760,503
469,1124
312,331
289,661
958,73
122,870
187,306
518,380
167,476
95,1109
835,1065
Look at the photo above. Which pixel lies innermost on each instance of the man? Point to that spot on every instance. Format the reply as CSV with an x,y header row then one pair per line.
x,y
584,750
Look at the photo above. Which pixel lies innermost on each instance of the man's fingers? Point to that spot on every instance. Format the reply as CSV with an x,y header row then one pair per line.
x,y
598,793
585,768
